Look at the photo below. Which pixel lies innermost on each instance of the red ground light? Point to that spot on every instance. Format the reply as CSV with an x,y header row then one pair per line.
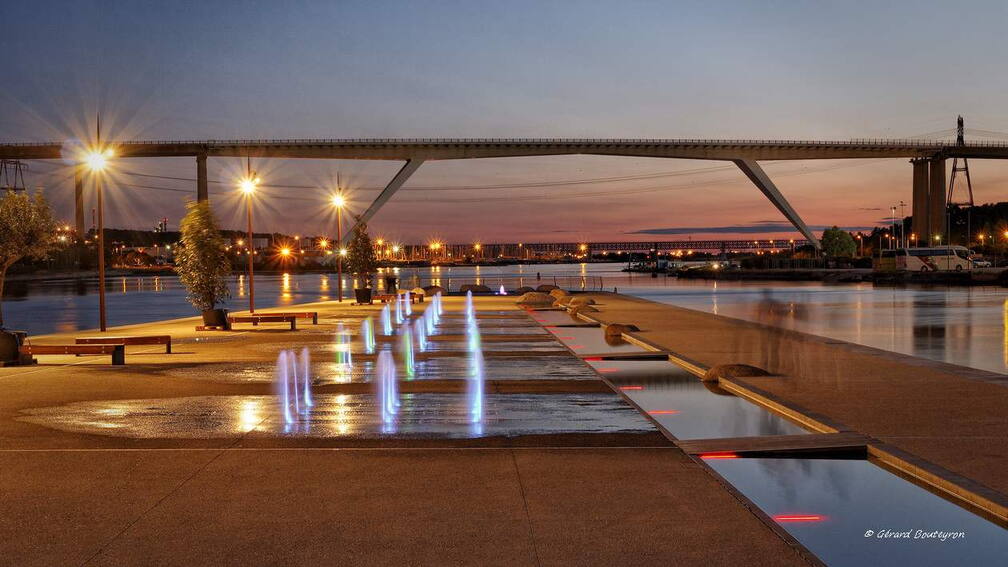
x,y
724,455
631,387
799,518
663,412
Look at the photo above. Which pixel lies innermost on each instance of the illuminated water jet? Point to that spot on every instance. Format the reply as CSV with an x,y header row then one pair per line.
x,y
398,312
386,321
343,355
388,397
407,306
367,333
409,364
420,330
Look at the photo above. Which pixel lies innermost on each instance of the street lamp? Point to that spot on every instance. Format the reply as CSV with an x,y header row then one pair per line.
x,y
339,202
248,187
97,160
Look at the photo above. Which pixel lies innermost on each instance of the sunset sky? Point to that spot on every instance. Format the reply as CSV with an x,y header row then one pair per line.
x,y
771,70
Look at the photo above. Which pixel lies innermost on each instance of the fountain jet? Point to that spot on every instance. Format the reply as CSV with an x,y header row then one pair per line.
x,y
388,398
420,330
407,350
367,332
386,321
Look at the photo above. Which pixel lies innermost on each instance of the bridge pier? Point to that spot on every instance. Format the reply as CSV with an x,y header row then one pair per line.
x,y
921,222
762,181
400,178
202,194
936,202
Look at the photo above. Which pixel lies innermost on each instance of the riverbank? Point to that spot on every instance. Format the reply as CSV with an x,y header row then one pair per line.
x,y
984,276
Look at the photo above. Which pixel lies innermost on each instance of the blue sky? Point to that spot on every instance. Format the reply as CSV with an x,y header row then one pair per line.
x,y
184,70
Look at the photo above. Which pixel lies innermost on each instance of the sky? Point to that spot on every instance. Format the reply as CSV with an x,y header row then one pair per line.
x,y
769,70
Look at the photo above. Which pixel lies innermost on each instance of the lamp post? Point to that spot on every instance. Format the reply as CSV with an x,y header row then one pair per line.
x,y
338,201
248,187
96,161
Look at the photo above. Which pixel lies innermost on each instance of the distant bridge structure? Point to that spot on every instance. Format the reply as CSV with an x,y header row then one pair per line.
x,y
927,156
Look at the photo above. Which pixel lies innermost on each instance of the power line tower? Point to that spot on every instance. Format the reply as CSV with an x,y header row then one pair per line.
x,y
960,141
11,172
956,169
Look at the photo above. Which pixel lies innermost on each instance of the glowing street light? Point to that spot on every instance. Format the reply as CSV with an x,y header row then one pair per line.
x,y
247,185
285,251
97,160
339,202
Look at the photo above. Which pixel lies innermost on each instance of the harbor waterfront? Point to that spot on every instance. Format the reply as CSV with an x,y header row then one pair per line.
x,y
967,326
614,436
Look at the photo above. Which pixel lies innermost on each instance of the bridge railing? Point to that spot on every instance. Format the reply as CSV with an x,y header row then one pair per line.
x,y
856,142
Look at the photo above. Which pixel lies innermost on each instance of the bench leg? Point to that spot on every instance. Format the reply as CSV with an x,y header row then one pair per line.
x,y
314,319
119,356
168,348
293,324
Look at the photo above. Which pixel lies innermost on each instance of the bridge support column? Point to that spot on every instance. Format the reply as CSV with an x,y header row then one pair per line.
x,y
79,200
936,201
202,194
759,178
921,223
400,178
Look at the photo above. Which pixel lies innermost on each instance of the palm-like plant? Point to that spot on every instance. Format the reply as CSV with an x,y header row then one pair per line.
x,y
201,261
360,254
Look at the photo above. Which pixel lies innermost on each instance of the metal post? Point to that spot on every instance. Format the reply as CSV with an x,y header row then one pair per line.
x,y
101,253
251,254
339,254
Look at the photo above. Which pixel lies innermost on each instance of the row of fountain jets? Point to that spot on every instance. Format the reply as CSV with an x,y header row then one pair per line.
x,y
294,380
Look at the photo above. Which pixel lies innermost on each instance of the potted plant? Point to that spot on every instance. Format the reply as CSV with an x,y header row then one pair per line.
x,y
27,230
202,263
361,262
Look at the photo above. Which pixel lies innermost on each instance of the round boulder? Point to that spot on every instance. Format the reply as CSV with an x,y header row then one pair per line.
x,y
535,299
474,288
433,289
617,330
523,290
574,311
578,301
558,293
546,288
715,373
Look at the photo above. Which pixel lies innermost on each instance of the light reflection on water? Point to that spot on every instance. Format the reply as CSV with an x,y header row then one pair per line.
x,y
960,325
855,498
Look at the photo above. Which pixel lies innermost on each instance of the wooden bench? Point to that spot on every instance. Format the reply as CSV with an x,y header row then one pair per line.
x,y
256,319
313,315
118,351
139,340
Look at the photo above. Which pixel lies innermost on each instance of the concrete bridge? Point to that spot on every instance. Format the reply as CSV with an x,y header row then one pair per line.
x,y
534,249
928,159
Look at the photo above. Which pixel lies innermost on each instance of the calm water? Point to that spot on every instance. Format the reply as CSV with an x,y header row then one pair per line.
x,y
967,326
851,512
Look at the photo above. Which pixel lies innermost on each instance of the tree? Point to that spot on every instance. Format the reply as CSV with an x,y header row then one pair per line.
x,y
201,261
27,230
360,254
838,243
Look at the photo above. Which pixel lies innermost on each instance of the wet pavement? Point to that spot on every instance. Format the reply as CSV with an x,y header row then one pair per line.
x,y
346,415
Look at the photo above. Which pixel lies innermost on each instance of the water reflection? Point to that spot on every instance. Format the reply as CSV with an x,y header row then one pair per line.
x,y
684,406
967,326
837,508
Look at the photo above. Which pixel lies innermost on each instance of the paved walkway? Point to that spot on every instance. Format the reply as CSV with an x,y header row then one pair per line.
x,y
81,499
